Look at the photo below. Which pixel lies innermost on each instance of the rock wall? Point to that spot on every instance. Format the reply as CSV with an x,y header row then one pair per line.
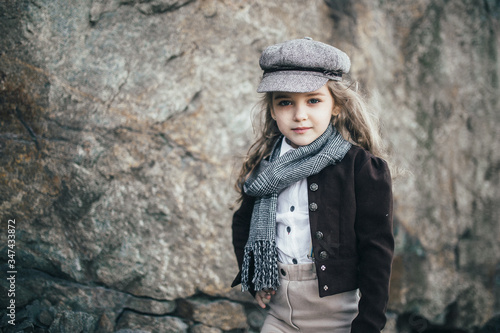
x,y
123,123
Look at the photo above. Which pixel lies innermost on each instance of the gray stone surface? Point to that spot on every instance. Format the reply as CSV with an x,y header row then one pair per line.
x,y
205,329
70,322
123,122
220,314
165,324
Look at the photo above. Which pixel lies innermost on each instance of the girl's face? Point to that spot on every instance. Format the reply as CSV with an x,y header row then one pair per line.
x,y
303,117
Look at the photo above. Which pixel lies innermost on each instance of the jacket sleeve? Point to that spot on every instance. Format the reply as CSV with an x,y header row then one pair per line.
x,y
375,243
241,229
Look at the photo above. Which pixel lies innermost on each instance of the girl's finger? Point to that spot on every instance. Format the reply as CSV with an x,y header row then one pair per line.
x,y
260,301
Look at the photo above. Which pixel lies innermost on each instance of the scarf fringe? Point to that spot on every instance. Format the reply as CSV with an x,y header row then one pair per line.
x,y
265,256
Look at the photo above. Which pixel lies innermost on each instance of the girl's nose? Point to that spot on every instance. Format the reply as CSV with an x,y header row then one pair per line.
x,y
300,113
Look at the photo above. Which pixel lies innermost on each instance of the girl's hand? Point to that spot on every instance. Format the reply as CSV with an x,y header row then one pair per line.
x,y
263,297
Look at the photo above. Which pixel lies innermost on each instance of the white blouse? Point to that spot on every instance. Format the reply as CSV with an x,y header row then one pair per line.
x,y
293,235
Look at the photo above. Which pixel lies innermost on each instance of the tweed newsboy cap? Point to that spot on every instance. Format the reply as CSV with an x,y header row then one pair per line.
x,y
301,65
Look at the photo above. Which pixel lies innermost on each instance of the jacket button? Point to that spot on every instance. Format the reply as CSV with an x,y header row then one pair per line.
x,y
319,235
323,255
283,272
323,268
313,206
325,287
313,187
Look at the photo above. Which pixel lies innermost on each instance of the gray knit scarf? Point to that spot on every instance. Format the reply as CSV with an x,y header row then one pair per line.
x,y
265,183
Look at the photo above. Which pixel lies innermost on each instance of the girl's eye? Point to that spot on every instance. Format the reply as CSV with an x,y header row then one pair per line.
x,y
284,103
314,100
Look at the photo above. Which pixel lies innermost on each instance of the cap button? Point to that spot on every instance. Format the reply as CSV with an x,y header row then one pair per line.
x,y
308,38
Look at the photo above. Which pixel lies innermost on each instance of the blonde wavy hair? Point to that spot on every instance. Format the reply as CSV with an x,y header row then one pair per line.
x,y
355,122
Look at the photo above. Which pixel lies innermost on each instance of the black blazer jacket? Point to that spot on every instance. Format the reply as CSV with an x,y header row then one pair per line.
x,y
350,214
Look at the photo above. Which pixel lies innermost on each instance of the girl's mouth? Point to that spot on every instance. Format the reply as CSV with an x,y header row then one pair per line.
x,y
301,130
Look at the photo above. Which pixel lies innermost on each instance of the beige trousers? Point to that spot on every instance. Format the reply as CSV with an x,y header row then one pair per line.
x,y
297,307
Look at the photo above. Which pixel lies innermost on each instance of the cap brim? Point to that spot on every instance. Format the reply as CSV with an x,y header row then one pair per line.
x,y
292,81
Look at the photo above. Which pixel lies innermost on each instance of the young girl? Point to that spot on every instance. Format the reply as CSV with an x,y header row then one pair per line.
x,y
313,236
